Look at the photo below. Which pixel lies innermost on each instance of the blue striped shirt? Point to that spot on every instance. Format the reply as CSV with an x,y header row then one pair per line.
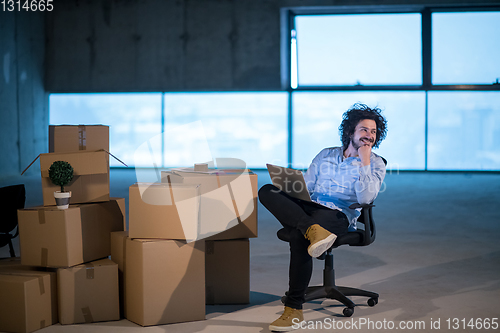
x,y
338,182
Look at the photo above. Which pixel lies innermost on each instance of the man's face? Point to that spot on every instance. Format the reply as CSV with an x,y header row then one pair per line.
x,y
365,133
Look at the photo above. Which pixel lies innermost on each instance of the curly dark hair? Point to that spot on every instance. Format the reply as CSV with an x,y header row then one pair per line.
x,y
354,115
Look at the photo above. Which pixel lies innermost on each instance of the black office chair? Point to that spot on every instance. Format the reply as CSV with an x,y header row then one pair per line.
x,y
361,237
12,198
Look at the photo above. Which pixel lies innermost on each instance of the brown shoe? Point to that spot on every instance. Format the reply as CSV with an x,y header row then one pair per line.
x,y
289,320
320,238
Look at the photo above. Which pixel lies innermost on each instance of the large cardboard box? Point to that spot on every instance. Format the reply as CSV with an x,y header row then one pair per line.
x,y
164,211
165,281
26,301
228,201
71,138
118,242
52,237
227,271
88,293
90,176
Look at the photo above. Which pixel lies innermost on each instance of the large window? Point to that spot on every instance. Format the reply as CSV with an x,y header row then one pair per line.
x,y
358,49
433,71
466,48
180,129
317,116
132,119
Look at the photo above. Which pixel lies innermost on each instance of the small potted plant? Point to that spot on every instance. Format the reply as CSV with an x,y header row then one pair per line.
x,y
61,173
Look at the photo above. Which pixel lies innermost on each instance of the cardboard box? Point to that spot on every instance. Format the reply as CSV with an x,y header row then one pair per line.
x,y
227,271
118,242
71,138
165,281
25,301
90,176
37,271
228,201
88,293
51,237
164,211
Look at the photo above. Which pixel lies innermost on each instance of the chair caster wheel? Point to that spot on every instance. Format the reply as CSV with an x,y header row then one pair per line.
x,y
372,301
348,312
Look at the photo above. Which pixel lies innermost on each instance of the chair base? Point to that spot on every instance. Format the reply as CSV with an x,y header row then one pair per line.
x,y
340,294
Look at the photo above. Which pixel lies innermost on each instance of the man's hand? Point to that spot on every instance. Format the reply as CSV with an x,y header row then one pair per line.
x,y
364,153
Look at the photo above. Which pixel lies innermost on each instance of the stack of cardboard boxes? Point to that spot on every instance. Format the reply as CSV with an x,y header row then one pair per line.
x,y
187,245
64,274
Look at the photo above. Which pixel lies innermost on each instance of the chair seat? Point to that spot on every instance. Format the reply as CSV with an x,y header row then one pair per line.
x,y
352,238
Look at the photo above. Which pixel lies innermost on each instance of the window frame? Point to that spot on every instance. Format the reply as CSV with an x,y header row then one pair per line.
x,y
288,25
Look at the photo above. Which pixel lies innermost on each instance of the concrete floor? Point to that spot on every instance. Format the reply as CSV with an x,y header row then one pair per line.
x,y
436,257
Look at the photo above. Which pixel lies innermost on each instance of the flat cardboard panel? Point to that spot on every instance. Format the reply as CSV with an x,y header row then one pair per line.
x,y
88,293
71,138
164,211
90,181
227,271
62,238
228,201
165,281
26,302
118,242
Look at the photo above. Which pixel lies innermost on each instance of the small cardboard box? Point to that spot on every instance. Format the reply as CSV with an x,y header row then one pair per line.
x,y
164,211
165,281
90,176
26,301
88,293
228,201
52,237
227,271
71,138
118,242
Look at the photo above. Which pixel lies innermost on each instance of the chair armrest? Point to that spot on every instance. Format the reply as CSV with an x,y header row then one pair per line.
x,y
367,219
358,205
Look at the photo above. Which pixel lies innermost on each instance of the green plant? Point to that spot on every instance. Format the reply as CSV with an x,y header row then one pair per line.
x,y
61,173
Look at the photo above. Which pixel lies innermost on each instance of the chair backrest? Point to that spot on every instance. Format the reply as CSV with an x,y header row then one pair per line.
x,y
12,198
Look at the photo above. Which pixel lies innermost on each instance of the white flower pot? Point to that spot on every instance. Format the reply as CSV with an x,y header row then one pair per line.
x,y
62,199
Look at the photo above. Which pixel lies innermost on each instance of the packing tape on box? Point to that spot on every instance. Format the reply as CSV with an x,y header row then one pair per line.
x,y
41,285
89,268
42,323
82,137
87,315
234,203
44,257
41,216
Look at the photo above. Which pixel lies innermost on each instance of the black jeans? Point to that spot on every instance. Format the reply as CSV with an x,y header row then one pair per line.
x,y
297,216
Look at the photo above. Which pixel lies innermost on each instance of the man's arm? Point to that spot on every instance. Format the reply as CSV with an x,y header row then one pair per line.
x,y
370,180
313,171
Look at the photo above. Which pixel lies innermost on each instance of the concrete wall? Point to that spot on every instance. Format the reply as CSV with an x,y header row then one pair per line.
x,y
23,102
159,45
